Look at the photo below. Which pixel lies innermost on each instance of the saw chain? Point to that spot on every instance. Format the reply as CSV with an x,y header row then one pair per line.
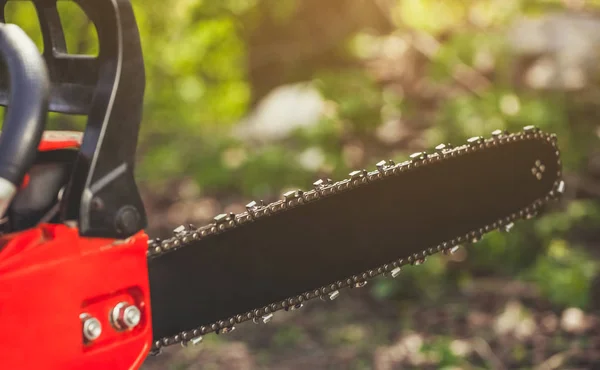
x,y
431,233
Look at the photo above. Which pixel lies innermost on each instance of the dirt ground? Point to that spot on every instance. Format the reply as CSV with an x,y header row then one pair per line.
x,y
489,325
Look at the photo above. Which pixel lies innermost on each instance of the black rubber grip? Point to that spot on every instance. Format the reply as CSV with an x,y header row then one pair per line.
x,y
29,90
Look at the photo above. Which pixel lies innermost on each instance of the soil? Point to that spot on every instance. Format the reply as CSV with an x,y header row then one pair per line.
x,y
480,327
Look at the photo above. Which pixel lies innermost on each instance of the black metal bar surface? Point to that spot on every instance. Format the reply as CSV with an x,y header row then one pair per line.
x,y
335,237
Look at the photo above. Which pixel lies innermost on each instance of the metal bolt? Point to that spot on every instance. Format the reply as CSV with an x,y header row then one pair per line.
x,y
92,328
125,316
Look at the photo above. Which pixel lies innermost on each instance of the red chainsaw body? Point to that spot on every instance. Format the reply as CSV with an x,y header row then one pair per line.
x,y
72,240
50,275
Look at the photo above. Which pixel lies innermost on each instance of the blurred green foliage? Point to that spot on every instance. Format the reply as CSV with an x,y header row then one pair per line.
x,y
196,55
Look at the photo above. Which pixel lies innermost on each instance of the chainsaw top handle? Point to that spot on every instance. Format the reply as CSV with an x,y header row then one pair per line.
x,y
26,112
101,196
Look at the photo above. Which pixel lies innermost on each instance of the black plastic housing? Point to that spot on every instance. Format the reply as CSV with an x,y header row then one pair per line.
x,y
101,196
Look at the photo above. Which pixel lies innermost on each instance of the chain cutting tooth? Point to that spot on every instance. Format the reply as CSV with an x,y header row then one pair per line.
x,y
263,319
253,207
560,188
442,148
499,133
383,166
452,250
419,261
293,197
155,352
359,284
475,140
358,175
183,229
192,342
395,272
225,330
531,129
322,183
294,307
508,227
418,156
223,218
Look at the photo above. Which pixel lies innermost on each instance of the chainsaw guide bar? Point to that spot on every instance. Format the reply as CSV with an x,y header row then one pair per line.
x,y
311,244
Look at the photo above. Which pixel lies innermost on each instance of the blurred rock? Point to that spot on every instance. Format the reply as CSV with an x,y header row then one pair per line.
x,y
392,131
515,320
407,349
188,189
284,110
227,356
557,51
549,323
289,40
234,157
205,209
312,159
353,154
235,208
573,320
477,319
460,347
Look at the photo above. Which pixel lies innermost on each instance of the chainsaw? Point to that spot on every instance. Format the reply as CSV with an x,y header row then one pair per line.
x,y
82,285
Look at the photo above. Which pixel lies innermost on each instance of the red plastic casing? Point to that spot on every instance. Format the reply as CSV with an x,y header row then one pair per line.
x,y
49,276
